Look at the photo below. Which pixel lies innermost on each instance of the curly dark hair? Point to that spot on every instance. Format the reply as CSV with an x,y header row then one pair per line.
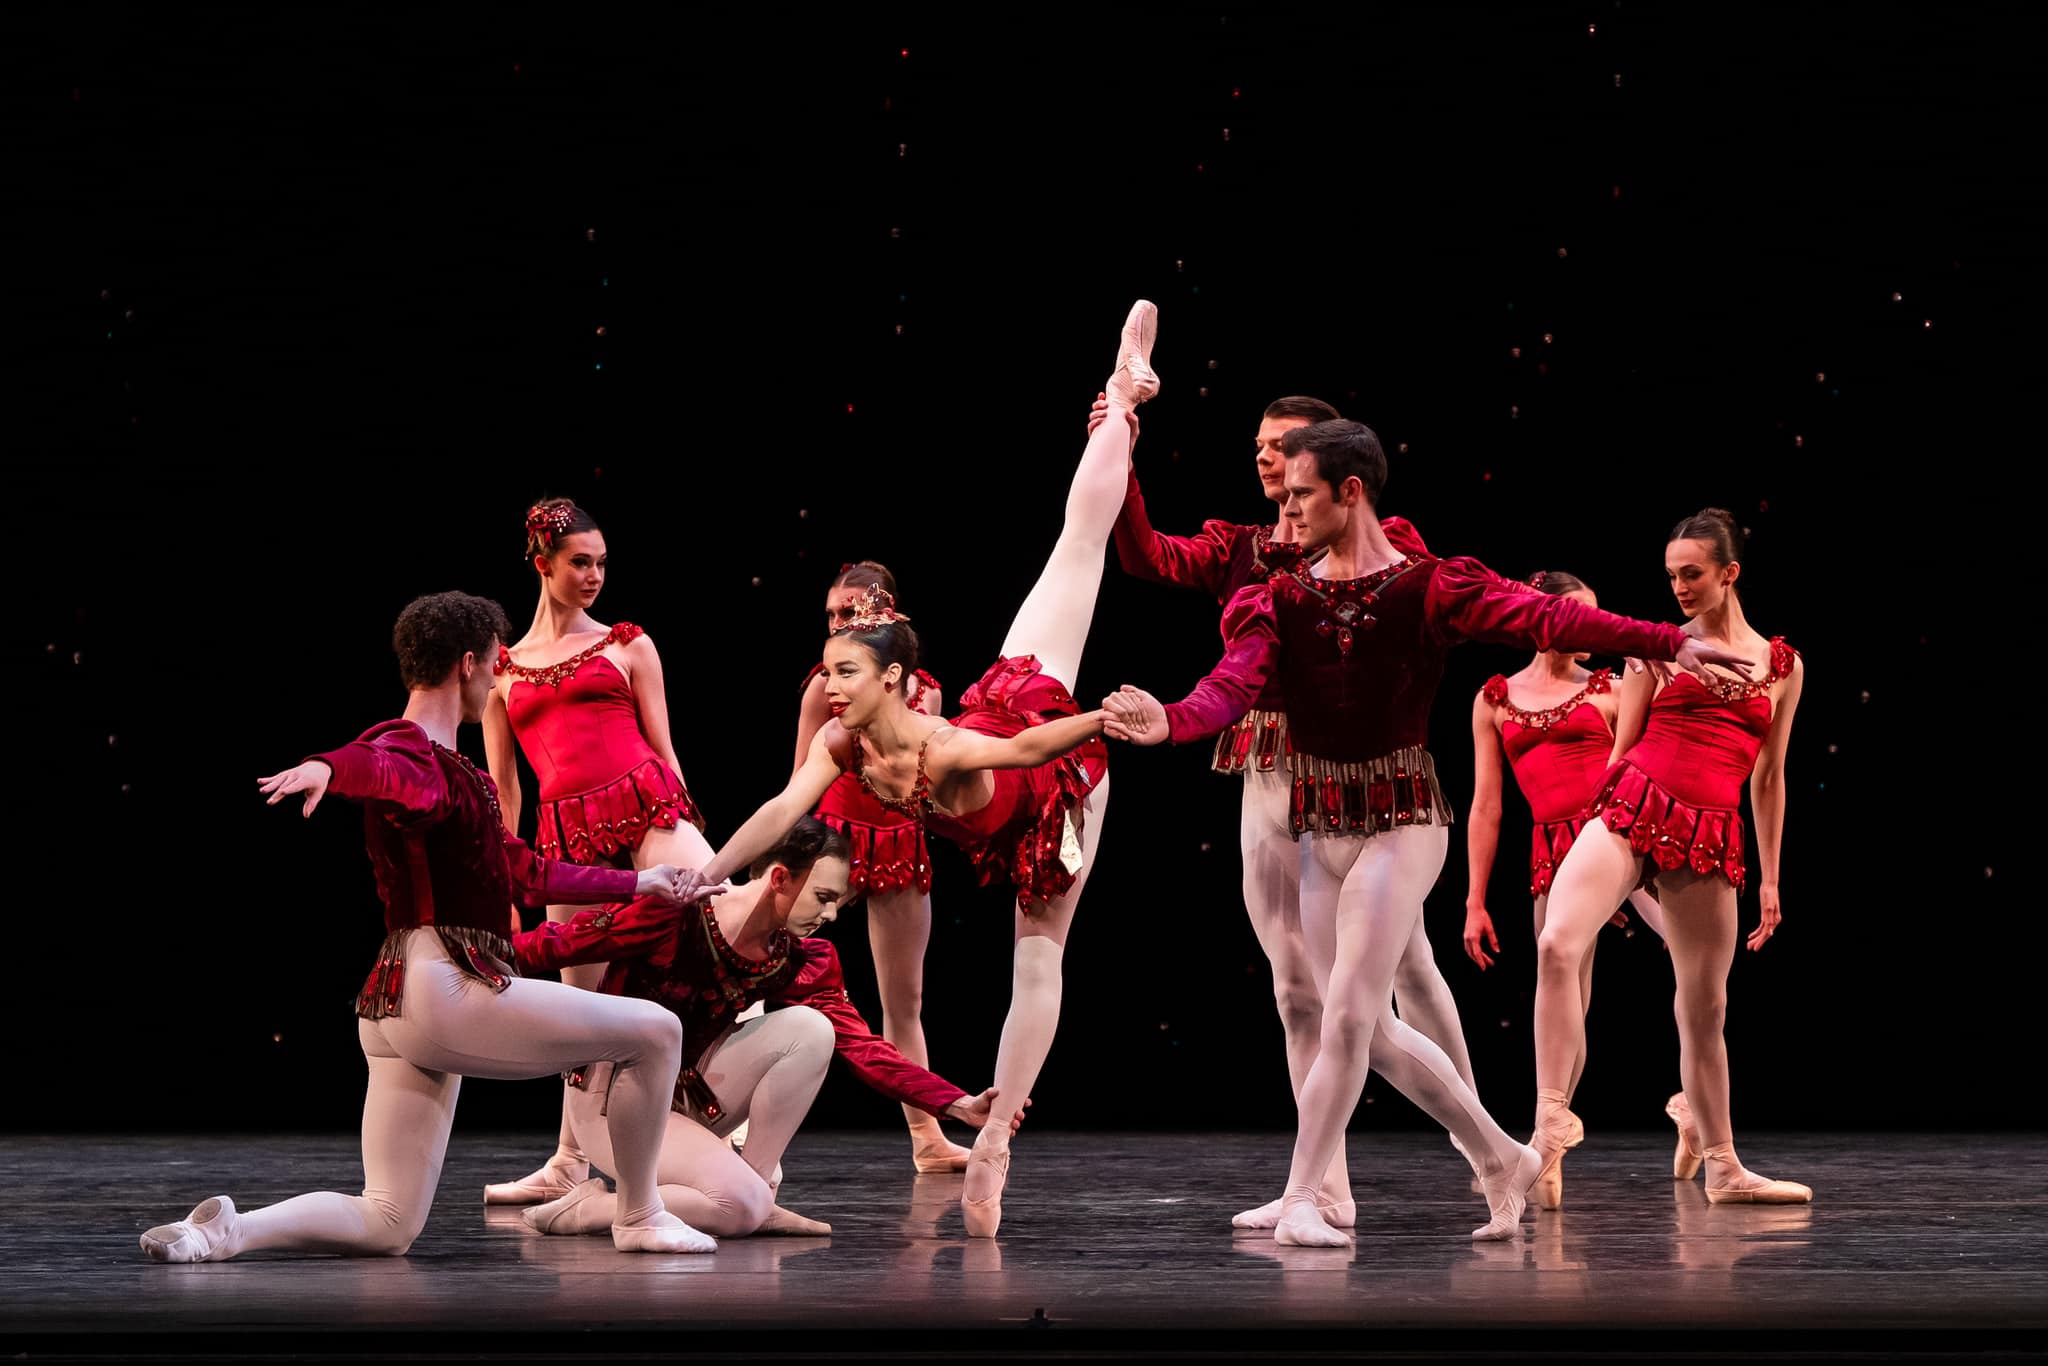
x,y
434,633
809,840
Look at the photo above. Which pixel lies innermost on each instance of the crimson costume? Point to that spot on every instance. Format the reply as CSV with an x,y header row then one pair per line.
x,y
1677,794
602,786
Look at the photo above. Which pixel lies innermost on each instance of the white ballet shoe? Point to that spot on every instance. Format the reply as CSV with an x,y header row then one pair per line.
x,y
574,1213
663,1233
551,1181
1133,380
1341,1214
1302,1225
207,1234
1507,1195
991,1150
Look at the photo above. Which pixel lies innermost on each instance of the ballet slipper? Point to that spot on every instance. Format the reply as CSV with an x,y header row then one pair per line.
x,y
1757,1190
1507,1195
662,1232
1685,1163
588,1208
207,1234
1478,1185
1301,1224
991,1152
552,1180
1338,1214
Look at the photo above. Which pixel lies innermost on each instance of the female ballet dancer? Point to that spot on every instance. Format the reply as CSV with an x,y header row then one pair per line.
x,y
999,780
1559,741
585,702
891,867
442,1001
1224,558
1359,643
752,947
1671,809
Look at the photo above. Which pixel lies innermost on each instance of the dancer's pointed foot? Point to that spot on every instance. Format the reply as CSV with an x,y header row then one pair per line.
x,y
661,1232
1685,1162
1301,1224
789,1224
1337,1214
589,1207
988,1171
207,1234
552,1180
931,1151
1731,1183
1133,380
1507,1194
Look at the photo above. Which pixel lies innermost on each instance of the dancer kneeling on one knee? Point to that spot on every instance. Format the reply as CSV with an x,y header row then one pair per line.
x,y
443,1001
751,945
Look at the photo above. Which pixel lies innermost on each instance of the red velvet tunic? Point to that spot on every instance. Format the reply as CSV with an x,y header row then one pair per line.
x,y
889,852
443,857
1558,756
1022,832
1677,793
1359,662
693,971
1223,558
602,786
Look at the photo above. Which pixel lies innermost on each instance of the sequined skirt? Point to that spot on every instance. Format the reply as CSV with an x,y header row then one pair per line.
x,y
889,852
591,827
1549,842
1668,832
1394,790
484,955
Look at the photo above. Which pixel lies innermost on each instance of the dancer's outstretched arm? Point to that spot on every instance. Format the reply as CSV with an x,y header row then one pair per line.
x,y
820,769
1251,653
956,751
1468,601
608,934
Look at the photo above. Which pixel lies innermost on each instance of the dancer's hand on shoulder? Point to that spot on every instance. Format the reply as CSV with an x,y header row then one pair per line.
x,y
310,778
1774,912
1479,936
1695,655
1134,715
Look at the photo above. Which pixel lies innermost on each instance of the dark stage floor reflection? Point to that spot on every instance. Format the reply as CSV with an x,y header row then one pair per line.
x,y
1103,1234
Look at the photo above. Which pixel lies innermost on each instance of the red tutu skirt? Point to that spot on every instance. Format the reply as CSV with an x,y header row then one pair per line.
x,y
1666,830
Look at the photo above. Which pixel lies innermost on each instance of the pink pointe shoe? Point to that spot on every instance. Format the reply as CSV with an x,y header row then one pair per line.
x,y
1133,380
1557,1129
1748,1188
991,1150
1685,1163
931,1151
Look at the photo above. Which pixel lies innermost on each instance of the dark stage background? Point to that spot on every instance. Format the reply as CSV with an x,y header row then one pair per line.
x,y
308,310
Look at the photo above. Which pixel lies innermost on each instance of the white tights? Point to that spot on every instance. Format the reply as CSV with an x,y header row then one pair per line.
x,y
451,1026
1362,897
765,1073
1272,898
